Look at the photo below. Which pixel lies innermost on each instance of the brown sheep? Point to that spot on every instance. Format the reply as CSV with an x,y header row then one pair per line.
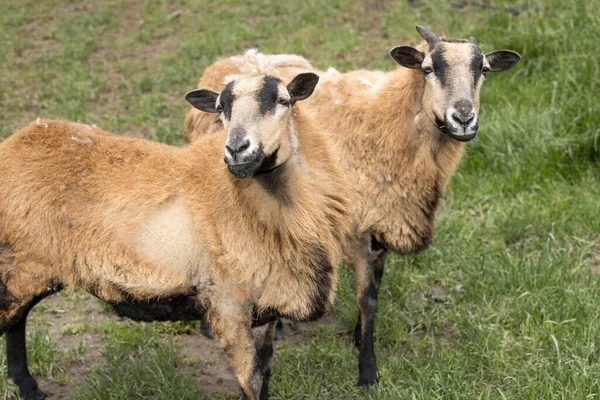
x,y
132,220
399,136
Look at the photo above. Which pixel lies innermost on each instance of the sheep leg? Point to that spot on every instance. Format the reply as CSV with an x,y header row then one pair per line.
x,y
377,256
265,356
369,266
16,359
14,326
233,330
16,352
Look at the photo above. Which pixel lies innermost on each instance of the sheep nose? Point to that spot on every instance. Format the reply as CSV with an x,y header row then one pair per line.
x,y
237,146
463,119
463,113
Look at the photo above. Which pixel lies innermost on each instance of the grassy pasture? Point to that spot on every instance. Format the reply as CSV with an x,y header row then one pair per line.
x,y
504,305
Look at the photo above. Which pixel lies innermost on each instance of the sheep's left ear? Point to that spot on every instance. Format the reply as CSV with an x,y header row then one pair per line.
x,y
502,60
302,86
203,99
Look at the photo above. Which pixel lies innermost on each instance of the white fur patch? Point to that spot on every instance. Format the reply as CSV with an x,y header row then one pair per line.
x,y
168,238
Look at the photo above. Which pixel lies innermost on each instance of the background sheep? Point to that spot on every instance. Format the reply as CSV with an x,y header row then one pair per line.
x,y
399,136
127,219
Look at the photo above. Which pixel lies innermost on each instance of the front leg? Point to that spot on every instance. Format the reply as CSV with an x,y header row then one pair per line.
x,y
264,345
369,262
231,325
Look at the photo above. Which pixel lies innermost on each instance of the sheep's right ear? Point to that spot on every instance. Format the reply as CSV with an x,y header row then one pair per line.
x,y
407,56
302,86
203,99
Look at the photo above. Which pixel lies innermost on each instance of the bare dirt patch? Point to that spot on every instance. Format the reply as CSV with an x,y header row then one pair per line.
x,y
70,319
206,361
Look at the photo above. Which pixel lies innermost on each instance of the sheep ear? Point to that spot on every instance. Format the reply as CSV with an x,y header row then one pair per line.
x,y
203,100
302,86
502,60
407,56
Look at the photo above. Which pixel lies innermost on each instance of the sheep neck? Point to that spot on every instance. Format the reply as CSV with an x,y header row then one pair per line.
x,y
275,183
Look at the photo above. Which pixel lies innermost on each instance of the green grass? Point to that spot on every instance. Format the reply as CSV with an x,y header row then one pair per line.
x,y
518,237
141,366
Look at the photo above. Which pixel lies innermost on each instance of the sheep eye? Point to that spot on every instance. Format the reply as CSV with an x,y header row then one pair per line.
x,y
485,70
283,102
219,109
427,70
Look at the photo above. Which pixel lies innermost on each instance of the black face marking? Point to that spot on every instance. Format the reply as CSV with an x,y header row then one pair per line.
x,y
269,94
440,66
226,100
476,64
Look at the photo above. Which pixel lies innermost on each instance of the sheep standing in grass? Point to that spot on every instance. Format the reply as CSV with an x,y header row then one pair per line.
x,y
131,220
398,136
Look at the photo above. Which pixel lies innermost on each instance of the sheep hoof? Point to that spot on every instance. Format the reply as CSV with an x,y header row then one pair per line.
x,y
36,394
368,378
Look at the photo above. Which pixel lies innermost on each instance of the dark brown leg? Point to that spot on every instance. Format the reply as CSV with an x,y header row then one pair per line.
x,y
265,356
369,264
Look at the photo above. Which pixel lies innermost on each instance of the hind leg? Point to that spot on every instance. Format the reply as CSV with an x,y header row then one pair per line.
x,y
16,351
22,286
16,357
16,348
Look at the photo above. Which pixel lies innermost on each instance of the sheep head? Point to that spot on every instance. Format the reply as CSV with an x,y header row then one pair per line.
x,y
257,114
453,72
